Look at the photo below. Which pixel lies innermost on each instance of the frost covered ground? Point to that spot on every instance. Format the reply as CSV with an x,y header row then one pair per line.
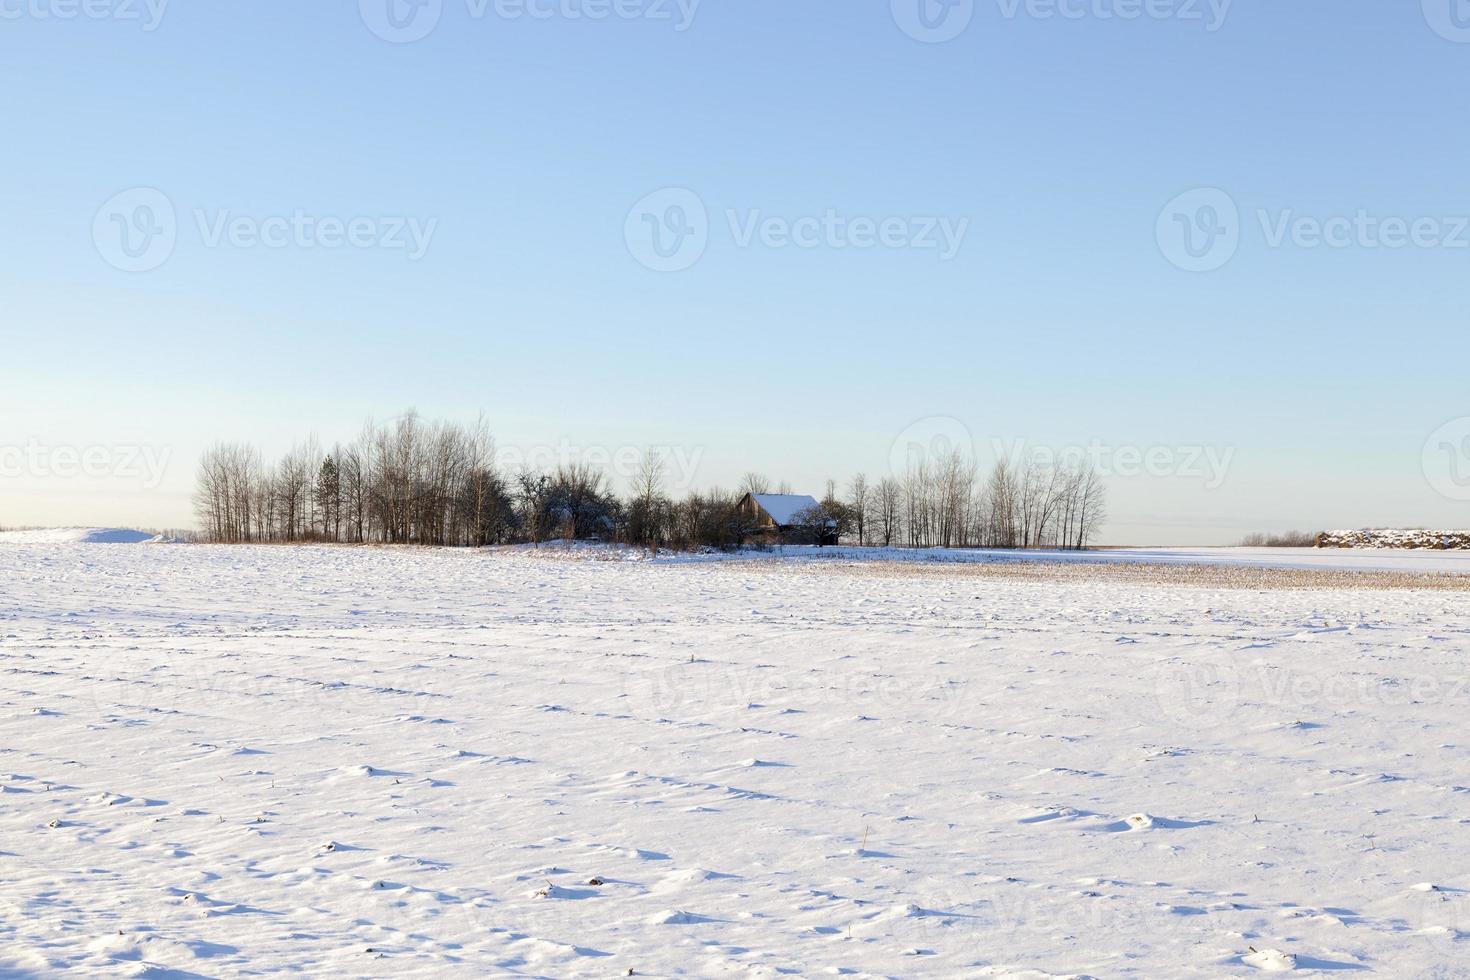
x,y
1438,562
380,762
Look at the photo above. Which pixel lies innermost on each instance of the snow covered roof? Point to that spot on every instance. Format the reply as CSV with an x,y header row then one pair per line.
x,y
784,507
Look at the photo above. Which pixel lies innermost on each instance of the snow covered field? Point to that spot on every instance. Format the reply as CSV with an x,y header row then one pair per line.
x,y
1354,560
382,762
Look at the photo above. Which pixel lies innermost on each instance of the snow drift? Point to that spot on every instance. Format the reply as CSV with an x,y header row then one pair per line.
x,y
80,535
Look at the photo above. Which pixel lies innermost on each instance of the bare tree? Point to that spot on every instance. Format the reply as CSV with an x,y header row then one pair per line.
x,y
755,483
952,487
355,465
888,498
813,525
532,494
225,494
1092,506
485,489
1001,506
646,510
292,491
857,497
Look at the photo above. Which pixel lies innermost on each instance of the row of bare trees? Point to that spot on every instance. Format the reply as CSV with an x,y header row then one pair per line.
x,y
436,483
944,503
417,482
408,482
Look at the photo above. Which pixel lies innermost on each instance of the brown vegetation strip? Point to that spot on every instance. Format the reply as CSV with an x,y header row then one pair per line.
x,y
1130,573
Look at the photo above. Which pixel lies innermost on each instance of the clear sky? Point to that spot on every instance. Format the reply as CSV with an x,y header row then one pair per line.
x,y
779,236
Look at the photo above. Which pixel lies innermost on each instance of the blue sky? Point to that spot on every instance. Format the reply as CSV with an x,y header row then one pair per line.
x,y
1054,134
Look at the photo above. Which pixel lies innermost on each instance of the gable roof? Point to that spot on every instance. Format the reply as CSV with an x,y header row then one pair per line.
x,y
784,507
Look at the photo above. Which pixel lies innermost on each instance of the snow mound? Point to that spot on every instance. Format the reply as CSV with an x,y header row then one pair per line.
x,y
676,917
1270,960
1417,539
79,535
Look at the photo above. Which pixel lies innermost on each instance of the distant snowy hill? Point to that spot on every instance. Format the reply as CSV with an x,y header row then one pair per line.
x,y
1396,538
79,535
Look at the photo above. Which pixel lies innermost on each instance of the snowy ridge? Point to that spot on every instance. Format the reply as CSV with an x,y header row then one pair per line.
x,y
80,535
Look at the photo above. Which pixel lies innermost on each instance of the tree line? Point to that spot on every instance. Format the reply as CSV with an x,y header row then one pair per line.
x,y
413,481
